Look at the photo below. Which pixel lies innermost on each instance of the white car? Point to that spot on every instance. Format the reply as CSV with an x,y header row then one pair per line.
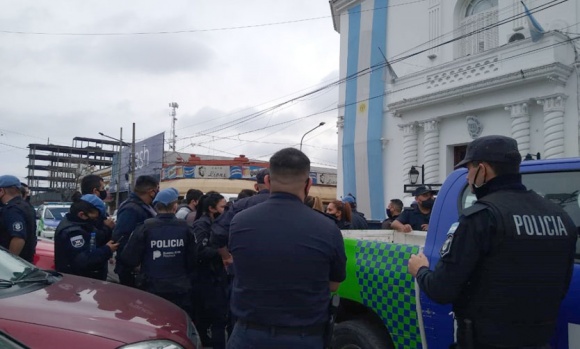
x,y
49,216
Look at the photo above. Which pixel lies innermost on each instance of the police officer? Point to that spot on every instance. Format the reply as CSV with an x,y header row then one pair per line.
x,y
17,220
76,248
507,264
358,220
211,282
221,227
164,247
132,212
417,217
287,259
94,184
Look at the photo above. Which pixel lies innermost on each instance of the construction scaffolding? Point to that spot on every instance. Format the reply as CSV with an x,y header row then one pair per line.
x,y
55,171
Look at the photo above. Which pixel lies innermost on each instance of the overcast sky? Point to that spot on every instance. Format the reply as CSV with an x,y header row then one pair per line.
x,y
54,87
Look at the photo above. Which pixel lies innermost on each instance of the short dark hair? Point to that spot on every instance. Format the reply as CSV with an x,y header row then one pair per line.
x,y
289,164
398,204
90,182
246,193
192,194
501,168
145,183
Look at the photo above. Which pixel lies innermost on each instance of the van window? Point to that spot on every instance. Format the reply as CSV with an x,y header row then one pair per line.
x,y
563,188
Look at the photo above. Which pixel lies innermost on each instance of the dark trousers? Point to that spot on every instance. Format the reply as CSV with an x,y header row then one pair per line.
x,y
212,312
126,277
248,338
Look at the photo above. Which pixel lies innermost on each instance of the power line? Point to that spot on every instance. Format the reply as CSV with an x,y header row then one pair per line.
x,y
365,71
189,31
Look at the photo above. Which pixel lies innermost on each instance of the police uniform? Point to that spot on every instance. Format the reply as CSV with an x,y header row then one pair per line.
x,y
285,254
164,247
509,250
76,253
211,287
78,250
17,220
132,212
221,226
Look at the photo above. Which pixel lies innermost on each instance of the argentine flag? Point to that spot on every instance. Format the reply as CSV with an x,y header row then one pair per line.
x,y
536,30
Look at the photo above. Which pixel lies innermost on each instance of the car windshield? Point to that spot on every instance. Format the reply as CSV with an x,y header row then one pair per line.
x,y
13,268
56,212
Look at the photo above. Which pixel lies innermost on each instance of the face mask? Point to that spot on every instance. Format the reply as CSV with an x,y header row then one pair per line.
x,y
102,194
479,191
428,204
389,213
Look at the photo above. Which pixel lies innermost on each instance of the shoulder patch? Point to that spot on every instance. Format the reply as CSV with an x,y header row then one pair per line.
x,y
447,244
478,206
17,226
77,241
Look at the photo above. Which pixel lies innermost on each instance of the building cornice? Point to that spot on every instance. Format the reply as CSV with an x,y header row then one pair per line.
x,y
556,72
338,8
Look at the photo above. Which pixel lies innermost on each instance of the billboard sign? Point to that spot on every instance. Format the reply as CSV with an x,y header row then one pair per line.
x,y
148,162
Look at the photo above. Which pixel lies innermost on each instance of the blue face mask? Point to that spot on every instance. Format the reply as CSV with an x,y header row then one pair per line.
x,y
389,213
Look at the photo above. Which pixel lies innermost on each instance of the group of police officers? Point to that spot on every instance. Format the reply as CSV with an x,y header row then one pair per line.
x,y
285,259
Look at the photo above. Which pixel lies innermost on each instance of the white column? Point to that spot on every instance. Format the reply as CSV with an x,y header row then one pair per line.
x,y
431,151
410,149
554,107
520,126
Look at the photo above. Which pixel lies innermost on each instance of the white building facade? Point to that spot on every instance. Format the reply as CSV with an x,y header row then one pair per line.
x,y
461,69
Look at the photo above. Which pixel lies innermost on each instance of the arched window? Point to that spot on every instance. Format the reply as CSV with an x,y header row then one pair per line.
x,y
479,14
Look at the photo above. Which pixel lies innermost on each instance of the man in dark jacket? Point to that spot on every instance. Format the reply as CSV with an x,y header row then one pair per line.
x,y
221,227
132,212
507,264
17,220
76,249
358,220
164,248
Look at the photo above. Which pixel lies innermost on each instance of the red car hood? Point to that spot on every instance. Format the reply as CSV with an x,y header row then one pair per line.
x,y
99,308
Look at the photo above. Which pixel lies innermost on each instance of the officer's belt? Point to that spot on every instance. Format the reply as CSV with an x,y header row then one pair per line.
x,y
313,330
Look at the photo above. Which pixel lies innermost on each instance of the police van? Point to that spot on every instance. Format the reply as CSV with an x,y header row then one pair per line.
x,y
48,216
381,305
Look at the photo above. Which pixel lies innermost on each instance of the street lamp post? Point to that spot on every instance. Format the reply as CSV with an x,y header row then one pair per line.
x,y
320,124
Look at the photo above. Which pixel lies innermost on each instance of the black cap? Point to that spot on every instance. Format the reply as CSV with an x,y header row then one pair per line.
x,y
261,174
422,190
492,149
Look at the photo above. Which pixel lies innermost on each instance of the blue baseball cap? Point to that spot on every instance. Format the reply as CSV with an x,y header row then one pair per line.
x,y
349,198
96,202
166,196
9,181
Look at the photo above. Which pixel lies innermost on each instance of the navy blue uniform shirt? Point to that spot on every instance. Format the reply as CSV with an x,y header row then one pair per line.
x,y
414,217
221,227
73,253
17,220
132,213
285,255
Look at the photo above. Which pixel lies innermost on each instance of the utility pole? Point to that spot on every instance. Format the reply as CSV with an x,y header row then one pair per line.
x,y
119,164
173,107
132,174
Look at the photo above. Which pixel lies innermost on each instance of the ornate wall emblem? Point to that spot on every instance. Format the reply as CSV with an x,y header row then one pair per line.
x,y
474,126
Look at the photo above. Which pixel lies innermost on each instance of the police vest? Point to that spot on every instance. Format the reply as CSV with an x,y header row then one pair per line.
x,y
515,293
29,248
166,249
